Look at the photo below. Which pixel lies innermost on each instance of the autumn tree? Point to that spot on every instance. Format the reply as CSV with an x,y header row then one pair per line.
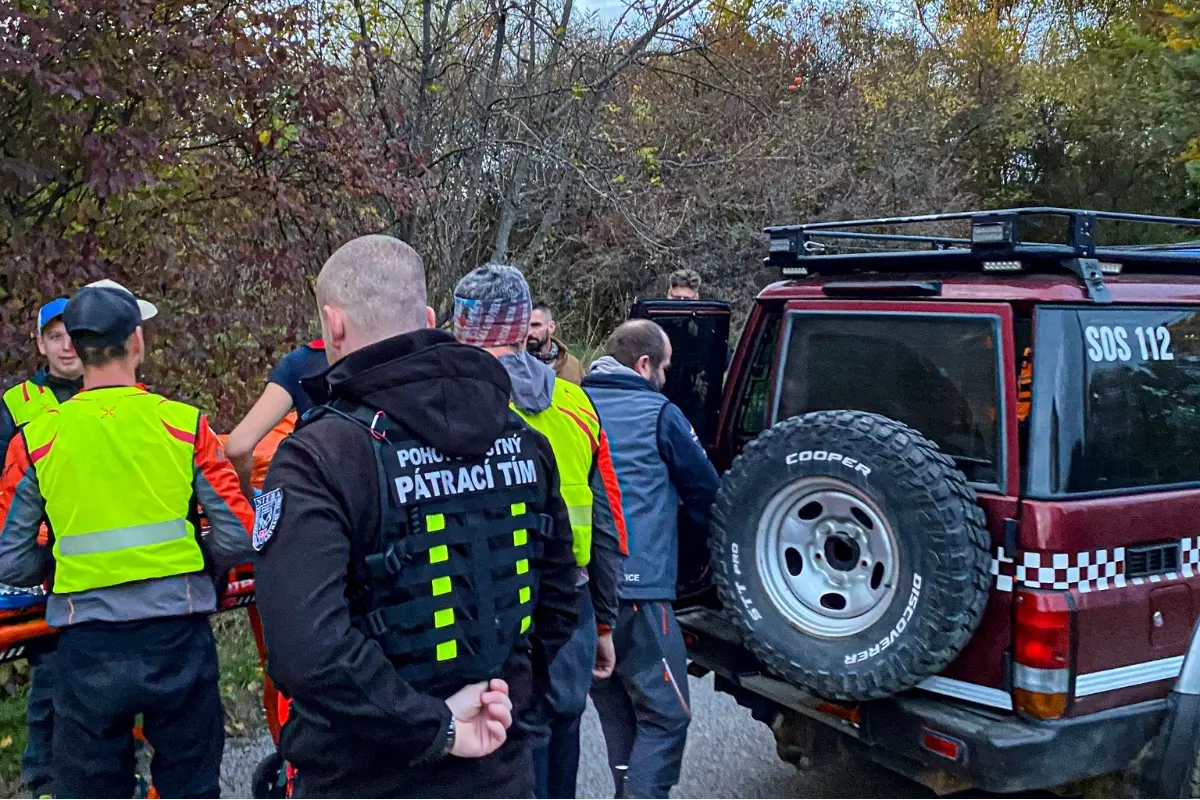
x,y
201,153
211,154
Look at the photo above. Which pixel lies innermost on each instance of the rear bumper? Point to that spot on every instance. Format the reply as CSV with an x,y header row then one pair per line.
x,y
1005,753
998,752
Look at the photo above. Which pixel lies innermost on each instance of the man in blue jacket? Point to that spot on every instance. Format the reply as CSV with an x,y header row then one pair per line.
x,y
660,466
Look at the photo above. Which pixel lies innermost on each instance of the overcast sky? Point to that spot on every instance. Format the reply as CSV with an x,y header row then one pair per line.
x,y
609,9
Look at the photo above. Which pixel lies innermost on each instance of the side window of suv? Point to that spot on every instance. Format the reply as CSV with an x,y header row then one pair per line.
x,y
754,404
1126,407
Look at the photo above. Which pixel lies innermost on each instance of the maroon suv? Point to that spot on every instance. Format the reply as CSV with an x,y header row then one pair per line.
x,y
959,526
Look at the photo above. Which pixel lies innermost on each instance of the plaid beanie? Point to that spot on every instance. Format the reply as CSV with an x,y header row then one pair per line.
x,y
492,306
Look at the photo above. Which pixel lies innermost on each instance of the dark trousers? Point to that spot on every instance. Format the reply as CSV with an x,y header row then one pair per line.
x,y
108,673
556,729
36,762
644,707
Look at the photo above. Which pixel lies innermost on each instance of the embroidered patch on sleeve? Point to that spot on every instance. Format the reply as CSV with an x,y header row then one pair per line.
x,y
268,508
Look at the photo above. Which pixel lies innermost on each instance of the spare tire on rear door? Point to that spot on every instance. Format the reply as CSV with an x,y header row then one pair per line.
x,y
851,552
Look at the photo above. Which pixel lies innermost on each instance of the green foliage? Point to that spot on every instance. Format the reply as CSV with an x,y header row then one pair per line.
x,y
241,674
1091,105
12,741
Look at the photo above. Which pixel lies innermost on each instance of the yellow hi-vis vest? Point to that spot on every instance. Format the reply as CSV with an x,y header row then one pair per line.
x,y
573,428
115,469
26,401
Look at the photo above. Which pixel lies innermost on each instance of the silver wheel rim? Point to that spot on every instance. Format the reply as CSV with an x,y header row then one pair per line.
x,y
827,556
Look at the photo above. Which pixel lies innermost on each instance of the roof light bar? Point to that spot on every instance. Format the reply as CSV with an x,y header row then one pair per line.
x,y
991,232
782,244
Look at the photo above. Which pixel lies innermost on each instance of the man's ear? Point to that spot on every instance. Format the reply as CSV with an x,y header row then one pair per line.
x,y
335,323
41,343
642,367
430,317
551,327
139,345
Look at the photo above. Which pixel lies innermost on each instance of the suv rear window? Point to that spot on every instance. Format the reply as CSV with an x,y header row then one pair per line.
x,y
936,373
1124,401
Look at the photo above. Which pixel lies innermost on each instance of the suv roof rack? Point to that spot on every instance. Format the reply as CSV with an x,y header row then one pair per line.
x,y
995,245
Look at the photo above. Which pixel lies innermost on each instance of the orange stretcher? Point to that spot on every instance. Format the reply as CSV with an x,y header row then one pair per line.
x,y
263,452
24,632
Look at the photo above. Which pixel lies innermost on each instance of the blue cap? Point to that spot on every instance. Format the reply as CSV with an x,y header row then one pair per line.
x,y
50,312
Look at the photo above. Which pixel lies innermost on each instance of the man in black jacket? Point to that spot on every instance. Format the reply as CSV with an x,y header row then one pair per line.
x,y
415,573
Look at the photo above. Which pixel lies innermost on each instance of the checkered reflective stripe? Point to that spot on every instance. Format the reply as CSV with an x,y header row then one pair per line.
x,y
1089,571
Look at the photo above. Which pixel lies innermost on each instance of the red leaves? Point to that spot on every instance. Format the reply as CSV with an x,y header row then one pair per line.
x,y
132,151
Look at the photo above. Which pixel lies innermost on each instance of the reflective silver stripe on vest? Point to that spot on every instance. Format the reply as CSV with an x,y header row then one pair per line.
x,y
82,544
579,515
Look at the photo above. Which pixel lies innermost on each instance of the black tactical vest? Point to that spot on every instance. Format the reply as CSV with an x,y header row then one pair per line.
x,y
449,592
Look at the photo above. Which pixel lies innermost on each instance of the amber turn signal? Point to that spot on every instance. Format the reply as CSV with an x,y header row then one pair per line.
x,y
1039,705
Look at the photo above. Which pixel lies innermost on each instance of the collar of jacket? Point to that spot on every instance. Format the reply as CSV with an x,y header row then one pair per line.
x,y
324,385
532,381
56,384
448,395
549,355
622,378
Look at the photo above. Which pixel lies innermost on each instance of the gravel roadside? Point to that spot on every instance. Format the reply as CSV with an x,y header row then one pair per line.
x,y
728,755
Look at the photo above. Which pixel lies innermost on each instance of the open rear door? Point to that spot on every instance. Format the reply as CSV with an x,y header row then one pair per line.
x,y
699,334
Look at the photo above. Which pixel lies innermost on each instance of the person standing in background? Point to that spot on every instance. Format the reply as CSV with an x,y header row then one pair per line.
x,y
548,349
58,379
275,412
561,412
55,382
684,284
661,468
120,476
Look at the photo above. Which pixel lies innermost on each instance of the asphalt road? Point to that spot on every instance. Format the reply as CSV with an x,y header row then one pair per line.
x,y
728,755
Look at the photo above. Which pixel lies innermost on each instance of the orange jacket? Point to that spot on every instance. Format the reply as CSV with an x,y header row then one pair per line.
x,y
264,451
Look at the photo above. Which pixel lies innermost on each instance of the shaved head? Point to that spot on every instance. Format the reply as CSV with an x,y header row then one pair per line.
x,y
375,288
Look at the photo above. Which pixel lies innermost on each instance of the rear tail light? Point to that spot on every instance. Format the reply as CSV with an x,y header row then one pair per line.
x,y
943,745
1042,654
849,713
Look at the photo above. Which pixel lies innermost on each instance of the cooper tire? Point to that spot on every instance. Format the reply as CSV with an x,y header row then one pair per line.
x,y
888,524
